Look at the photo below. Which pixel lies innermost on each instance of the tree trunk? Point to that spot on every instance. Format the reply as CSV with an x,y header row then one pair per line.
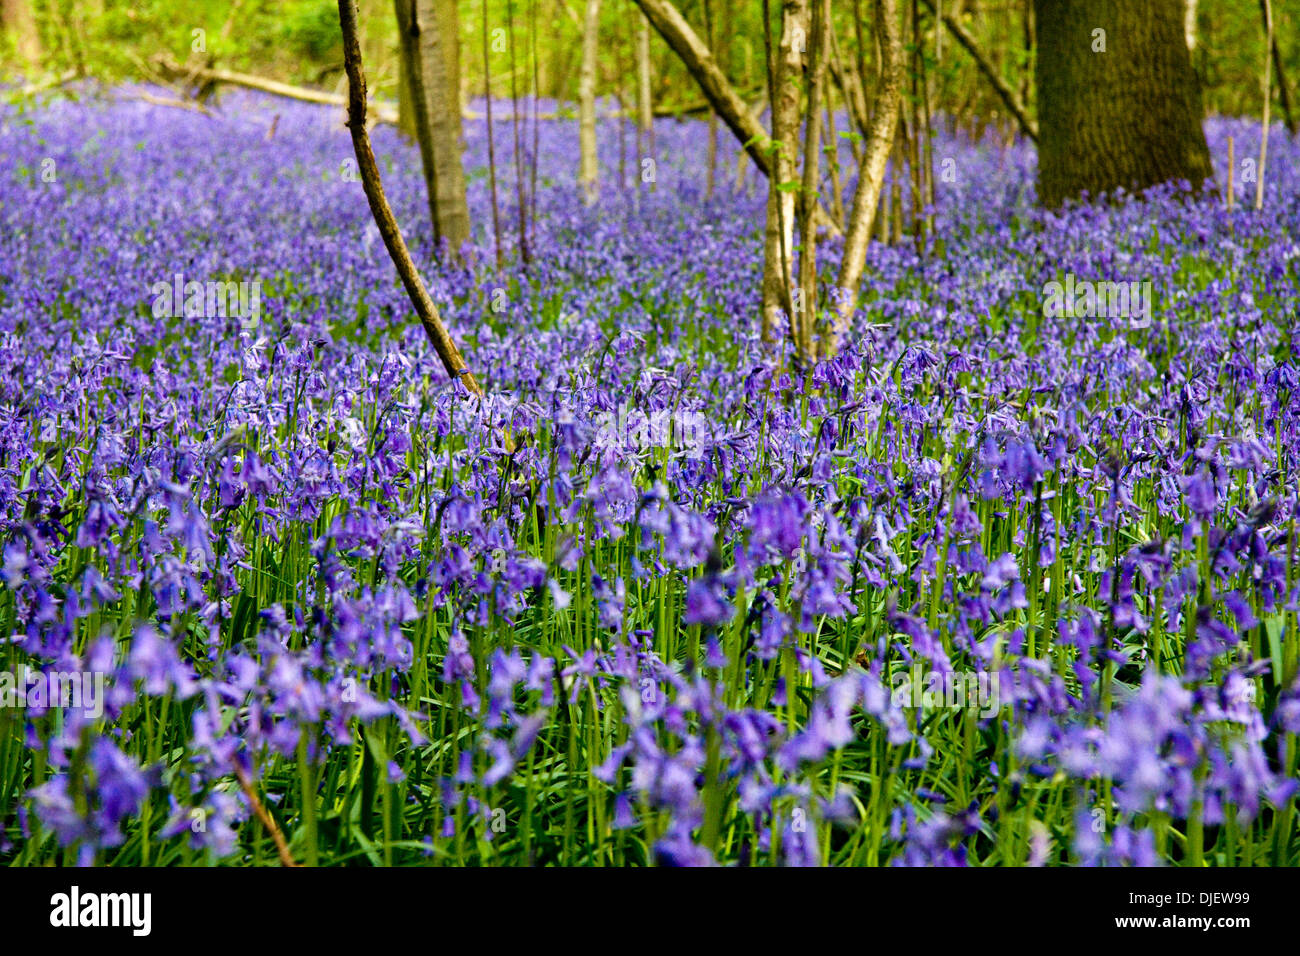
x,y
1119,108
16,17
588,169
430,37
778,243
805,317
871,173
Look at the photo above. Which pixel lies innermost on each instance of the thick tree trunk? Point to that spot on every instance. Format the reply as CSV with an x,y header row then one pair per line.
x,y
428,30
1119,108
588,166
871,172
16,17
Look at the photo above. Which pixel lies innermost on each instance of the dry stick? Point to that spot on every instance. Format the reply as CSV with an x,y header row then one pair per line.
x,y
268,821
1268,99
1006,93
170,71
871,173
383,213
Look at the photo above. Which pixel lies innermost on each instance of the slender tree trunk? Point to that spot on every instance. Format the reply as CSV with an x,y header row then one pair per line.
x,y
805,318
778,246
588,169
871,174
429,30
1119,108
1283,91
407,95
1015,106
1267,92
441,46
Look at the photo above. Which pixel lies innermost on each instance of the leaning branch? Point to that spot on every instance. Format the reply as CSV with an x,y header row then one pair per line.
x,y
379,208
1005,92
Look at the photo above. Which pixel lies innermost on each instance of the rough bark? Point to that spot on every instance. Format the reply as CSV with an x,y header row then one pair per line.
x,y
871,173
588,165
383,213
1129,117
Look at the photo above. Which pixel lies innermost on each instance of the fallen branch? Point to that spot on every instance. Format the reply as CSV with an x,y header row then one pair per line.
x,y
383,213
171,102
267,821
173,72
32,89
1005,93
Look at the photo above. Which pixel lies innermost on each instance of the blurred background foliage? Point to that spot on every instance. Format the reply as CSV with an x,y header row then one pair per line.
x,y
297,41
